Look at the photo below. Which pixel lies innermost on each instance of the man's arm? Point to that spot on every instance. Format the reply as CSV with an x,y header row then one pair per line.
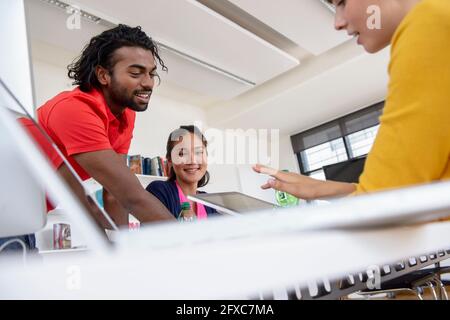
x,y
109,169
116,211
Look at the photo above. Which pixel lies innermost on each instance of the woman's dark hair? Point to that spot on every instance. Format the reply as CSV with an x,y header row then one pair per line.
x,y
175,137
99,52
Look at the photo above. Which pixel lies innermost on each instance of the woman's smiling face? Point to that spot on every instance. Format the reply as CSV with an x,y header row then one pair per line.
x,y
189,159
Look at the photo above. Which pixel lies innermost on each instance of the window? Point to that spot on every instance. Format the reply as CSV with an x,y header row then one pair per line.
x,y
327,153
361,142
346,138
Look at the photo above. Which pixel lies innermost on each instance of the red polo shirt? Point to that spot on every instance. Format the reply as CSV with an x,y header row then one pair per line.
x,y
80,122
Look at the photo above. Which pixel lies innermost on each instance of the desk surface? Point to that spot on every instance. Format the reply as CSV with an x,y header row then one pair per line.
x,y
245,266
296,247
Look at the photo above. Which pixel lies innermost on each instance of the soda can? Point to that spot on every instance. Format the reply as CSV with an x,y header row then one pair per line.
x,y
61,236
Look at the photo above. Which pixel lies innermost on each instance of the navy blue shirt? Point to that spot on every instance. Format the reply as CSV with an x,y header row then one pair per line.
x,y
167,193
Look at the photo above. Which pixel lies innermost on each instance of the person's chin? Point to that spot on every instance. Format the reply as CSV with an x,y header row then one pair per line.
x,y
139,107
194,178
370,49
143,107
373,47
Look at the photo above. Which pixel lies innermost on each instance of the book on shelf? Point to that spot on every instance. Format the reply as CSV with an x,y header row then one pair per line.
x,y
146,166
156,166
135,164
155,170
165,167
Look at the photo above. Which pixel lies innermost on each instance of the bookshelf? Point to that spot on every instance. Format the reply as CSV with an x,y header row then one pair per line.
x,y
156,166
93,186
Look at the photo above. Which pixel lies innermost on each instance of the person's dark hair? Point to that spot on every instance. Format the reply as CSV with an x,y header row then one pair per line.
x,y
175,137
99,52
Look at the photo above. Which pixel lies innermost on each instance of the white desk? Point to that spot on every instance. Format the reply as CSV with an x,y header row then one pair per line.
x,y
236,257
222,269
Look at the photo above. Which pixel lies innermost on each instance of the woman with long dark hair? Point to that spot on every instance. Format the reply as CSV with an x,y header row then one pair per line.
x,y
186,155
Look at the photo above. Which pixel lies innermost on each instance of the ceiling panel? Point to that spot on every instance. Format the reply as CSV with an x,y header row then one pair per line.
x,y
306,22
343,89
194,29
47,24
199,78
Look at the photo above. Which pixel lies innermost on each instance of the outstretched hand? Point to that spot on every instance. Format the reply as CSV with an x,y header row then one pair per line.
x,y
301,186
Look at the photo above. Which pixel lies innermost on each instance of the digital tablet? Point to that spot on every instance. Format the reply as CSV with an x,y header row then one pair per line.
x,y
234,203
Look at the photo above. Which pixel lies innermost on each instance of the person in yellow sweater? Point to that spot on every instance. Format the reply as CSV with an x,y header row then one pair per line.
x,y
413,141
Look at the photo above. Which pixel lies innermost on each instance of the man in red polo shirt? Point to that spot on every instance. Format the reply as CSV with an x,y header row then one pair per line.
x,y
93,124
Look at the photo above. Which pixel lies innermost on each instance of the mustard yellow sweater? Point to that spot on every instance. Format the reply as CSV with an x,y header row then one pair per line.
x,y
413,142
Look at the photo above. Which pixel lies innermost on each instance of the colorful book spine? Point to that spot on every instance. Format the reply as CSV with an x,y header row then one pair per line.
x,y
147,164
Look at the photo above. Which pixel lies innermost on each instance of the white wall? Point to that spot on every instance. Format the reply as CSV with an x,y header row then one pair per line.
x,y
49,80
49,64
162,117
241,149
288,159
223,178
283,159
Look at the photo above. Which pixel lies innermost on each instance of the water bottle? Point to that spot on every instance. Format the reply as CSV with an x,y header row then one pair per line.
x,y
285,199
186,214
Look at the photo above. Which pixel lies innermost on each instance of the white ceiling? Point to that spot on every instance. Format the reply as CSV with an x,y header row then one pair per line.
x,y
194,29
190,28
357,83
259,41
305,22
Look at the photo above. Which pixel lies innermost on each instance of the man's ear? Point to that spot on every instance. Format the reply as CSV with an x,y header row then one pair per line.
x,y
103,76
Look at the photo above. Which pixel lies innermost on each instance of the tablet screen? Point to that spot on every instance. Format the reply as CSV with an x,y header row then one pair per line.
x,y
234,201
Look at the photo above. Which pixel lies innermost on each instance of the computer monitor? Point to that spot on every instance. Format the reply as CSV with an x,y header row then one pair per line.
x,y
21,198
15,60
346,171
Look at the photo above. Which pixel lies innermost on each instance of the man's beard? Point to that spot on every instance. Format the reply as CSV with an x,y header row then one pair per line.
x,y
120,97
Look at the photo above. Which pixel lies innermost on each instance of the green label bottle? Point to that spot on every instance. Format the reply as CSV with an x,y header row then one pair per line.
x,y
285,199
186,213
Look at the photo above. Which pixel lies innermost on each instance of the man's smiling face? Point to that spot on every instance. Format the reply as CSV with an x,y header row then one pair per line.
x,y
132,78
